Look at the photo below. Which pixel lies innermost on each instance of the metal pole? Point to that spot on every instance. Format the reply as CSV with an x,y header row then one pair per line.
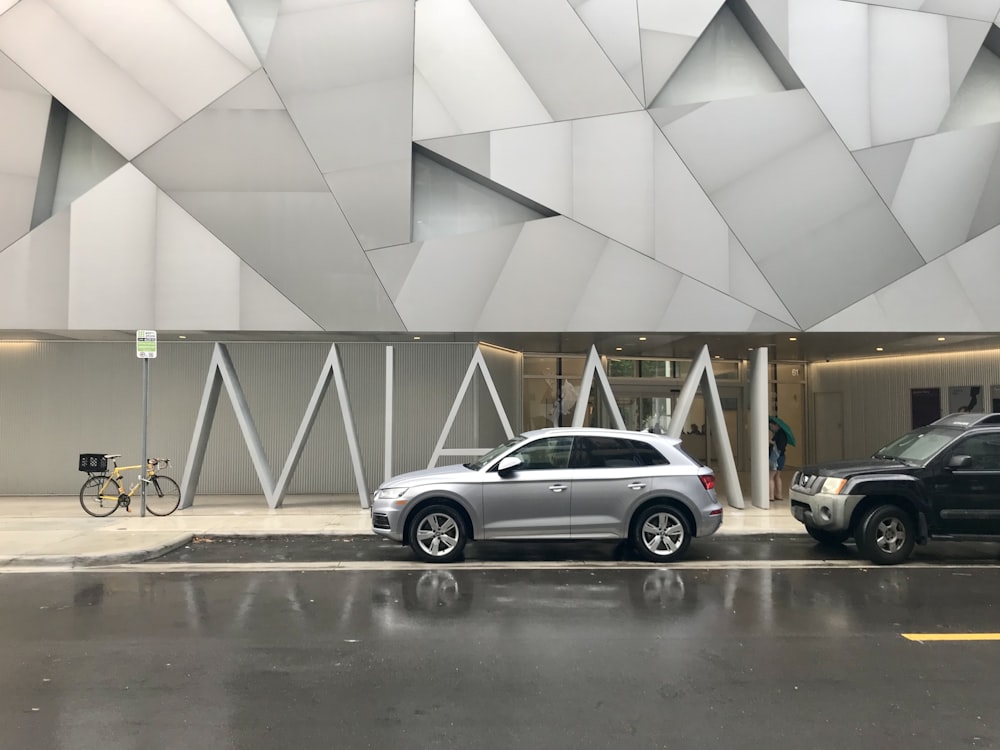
x,y
145,421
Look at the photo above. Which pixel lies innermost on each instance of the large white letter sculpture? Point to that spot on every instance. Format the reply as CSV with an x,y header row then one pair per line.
x,y
478,362
221,372
594,365
701,369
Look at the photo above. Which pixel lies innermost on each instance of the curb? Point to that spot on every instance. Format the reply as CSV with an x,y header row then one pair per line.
x,y
98,558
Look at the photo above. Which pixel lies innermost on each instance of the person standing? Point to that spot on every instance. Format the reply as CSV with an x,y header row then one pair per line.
x,y
779,442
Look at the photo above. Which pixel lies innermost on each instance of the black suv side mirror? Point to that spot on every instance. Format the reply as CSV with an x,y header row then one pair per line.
x,y
959,461
509,465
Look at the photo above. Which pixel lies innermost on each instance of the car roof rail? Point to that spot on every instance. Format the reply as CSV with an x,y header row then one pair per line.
x,y
965,420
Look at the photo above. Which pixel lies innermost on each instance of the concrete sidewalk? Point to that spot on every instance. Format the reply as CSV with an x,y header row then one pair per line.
x,y
55,531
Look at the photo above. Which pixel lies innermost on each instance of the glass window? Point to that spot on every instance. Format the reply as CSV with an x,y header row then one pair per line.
x,y
984,450
545,366
919,445
487,458
653,368
605,452
622,368
547,453
647,454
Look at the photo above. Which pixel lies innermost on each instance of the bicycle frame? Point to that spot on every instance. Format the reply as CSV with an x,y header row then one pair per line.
x,y
117,476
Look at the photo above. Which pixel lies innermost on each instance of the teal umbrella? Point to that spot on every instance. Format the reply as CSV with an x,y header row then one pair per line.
x,y
784,426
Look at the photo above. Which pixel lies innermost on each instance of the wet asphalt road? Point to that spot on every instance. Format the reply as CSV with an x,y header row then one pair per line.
x,y
172,653
369,548
496,659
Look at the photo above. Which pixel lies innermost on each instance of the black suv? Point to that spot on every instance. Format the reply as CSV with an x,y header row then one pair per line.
x,y
941,481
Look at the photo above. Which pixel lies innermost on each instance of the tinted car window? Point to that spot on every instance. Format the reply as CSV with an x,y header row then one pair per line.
x,y
605,452
548,453
647,454
984,450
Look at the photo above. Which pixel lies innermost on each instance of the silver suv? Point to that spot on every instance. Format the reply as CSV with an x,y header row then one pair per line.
x,y
557,483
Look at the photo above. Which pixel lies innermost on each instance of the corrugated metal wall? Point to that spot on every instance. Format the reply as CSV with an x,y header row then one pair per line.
x,y
59,399
876,392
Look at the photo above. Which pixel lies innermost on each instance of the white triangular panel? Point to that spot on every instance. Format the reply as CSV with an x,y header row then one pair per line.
x,y
694,306
393,265
667,33
748,285
131,71
254,92
661,54
452,41
884,166
471,151
640,286
34,278
773,16
965,40
932,298
978,99
225,294
615,26
540,283
435,298
258,19
723,64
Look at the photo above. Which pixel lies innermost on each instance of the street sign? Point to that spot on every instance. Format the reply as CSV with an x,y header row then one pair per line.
x,y
145,344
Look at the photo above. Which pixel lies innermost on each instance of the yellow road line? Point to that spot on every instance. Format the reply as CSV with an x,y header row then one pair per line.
x,y
951,636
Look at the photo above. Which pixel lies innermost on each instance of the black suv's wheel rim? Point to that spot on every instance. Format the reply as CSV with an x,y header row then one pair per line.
x,y
437,534
662,534
890,535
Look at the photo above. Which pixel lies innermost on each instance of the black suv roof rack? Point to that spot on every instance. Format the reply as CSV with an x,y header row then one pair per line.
x,y
965,420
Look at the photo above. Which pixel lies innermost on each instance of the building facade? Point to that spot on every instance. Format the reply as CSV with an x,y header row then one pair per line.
x,y
453,176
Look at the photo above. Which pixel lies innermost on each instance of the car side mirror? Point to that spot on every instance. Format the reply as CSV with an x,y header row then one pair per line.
x,y
509,464
959,462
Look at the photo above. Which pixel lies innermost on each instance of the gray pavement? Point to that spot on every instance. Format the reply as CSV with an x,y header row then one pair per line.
x,y
55,531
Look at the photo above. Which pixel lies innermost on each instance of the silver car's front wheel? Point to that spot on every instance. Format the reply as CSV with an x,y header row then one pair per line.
x,y
661,533
437,534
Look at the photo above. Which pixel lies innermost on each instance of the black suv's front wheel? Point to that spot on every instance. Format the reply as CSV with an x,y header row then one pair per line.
x,y
885,534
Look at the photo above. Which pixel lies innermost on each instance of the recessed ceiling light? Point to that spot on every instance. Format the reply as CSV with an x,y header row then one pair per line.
x,y
792,338
879,349
718,356
642,338
618,348
941,338
416,338
182,336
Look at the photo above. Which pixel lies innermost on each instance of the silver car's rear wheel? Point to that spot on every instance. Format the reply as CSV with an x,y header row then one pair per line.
x,y
661,533
437,534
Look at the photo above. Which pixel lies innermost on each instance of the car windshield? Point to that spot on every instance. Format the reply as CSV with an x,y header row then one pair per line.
x,y
918,445
487,458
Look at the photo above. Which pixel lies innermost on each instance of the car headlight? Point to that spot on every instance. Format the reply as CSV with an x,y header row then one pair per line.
x,y
833,485
391,493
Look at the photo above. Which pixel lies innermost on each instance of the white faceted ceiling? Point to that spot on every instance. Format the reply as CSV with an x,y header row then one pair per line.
x,y
500,165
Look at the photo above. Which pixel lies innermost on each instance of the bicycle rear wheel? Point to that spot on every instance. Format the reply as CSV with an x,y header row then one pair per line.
x,y
91,499
162,495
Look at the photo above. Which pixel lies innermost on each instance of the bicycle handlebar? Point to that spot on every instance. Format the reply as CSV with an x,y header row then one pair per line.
x,y
155,462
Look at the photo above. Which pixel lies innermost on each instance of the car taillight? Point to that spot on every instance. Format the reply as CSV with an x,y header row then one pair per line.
x,y
708,480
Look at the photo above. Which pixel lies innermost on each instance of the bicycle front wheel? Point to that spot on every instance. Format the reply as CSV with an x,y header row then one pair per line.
x,y
93,501
162,495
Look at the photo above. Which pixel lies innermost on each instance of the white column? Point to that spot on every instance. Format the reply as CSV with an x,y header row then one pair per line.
x,y
759,436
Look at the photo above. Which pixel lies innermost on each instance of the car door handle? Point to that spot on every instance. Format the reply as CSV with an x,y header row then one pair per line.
x,y
558,487
636,485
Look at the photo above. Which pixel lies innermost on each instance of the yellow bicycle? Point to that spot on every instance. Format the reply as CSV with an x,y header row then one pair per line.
x,y
102,494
